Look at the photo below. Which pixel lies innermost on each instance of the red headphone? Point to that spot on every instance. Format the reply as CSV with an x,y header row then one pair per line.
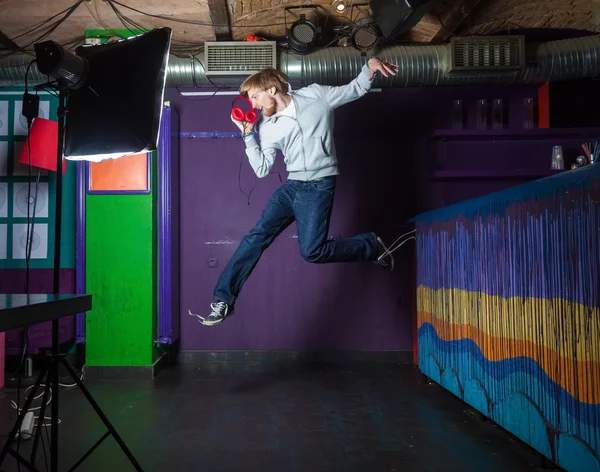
x,y
239,114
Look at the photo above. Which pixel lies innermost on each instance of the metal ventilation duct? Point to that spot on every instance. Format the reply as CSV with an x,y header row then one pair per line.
x,y
484,53
419,65
238,58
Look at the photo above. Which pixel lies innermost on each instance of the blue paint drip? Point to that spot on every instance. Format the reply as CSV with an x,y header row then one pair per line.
x,y
542,240
549,253
500,378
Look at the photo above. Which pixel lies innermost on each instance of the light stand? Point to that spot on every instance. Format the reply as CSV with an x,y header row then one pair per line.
x,y
55,360
54,371
119,87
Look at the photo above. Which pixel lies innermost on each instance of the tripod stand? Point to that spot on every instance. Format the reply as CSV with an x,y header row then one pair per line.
x,y
52,368
55,359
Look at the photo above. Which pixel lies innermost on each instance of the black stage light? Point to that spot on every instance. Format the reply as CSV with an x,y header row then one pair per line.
x,y
366,34
53,60
302,35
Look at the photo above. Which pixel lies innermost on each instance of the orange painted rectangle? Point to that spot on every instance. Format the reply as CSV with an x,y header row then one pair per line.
x,y
129,174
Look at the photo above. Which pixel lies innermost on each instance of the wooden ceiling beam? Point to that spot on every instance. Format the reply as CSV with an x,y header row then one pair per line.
x,y
220,19
441,27
8,43
453,18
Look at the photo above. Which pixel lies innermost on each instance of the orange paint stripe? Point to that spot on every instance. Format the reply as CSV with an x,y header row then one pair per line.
x,y
565,327
580,378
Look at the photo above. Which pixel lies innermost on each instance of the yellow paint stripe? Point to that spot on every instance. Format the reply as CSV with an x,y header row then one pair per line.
x,y
571,330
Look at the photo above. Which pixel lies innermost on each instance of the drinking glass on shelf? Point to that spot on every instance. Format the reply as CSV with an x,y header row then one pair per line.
x,y
558,161
528,113
482,114
457,114
498,113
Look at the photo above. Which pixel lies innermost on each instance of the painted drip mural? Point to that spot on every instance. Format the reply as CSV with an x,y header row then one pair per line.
x,y
508,293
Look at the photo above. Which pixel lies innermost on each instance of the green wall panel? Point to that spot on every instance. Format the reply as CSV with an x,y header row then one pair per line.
x,y
120,275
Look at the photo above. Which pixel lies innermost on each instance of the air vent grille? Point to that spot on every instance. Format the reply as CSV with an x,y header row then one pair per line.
x,y
239,57
488,53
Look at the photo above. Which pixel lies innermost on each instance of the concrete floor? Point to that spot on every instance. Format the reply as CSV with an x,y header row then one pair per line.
x,y
305,418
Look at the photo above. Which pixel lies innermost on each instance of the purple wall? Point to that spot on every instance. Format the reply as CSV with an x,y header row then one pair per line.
x,y
288,303
40,281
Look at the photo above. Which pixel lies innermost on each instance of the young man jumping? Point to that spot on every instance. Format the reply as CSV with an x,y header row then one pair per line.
x,y
300,125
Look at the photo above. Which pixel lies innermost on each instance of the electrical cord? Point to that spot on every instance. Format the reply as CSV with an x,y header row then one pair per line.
x,y
47,26
244,132
28,242
240,182
30,115
53,27
124,20
96,16
18,395
25,332
15,406
191,22
39,25
38,422
67,12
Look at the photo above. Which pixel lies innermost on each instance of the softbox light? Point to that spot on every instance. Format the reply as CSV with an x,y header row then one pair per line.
x,y
118,110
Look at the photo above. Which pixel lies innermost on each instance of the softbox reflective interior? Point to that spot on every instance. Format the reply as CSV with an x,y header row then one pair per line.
x,y
118,110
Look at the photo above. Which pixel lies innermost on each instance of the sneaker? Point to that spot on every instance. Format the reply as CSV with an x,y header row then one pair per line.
x,y
219,311
384,256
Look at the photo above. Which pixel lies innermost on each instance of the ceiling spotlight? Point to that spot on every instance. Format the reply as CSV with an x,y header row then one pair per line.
x,y
302,35
339,6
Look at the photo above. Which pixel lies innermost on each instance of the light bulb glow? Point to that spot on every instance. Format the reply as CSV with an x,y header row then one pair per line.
x,y
340,6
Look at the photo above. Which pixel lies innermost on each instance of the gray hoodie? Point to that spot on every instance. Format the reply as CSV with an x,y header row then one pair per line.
x,y
306,141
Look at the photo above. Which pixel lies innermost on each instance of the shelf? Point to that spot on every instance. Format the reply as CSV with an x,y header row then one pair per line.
x,y
495,174
585,134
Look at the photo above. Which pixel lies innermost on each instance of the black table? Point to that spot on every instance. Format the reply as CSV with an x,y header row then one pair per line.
x,y
21,310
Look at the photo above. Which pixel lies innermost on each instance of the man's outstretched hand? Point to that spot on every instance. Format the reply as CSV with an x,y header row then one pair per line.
x,y
384,67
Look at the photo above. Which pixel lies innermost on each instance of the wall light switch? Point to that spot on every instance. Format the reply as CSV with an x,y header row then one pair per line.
x,y
213,262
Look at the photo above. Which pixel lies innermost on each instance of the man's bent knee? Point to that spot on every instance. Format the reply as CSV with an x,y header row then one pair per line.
x,y
314,256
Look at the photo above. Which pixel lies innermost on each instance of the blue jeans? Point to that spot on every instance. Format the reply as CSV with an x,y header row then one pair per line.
x,y
309,204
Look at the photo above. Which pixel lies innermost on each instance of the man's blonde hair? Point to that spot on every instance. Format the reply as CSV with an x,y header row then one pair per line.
x,y
264,80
